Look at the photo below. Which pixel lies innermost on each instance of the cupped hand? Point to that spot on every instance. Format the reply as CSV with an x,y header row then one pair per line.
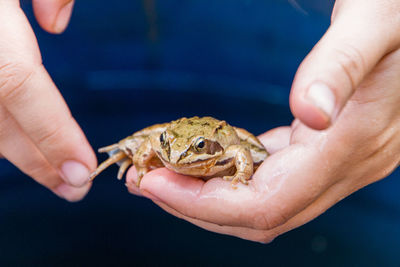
x,y
345,97
37,132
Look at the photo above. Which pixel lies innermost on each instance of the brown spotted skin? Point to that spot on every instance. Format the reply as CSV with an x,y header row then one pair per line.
x,y
201,147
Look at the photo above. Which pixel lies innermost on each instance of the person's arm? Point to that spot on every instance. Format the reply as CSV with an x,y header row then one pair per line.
x,y
348,85
37,132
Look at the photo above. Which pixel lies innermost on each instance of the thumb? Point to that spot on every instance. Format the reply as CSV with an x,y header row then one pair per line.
x,y
53,15
361,33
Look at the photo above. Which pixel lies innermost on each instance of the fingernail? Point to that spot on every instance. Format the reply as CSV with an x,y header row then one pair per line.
x,y
321,96
71,193
63,17
74,173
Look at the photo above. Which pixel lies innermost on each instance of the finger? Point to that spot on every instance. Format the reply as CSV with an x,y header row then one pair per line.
x,y
276,139
41,112
334,194
53,15
361,33
30,96
289,176
71,193
16,146
241,232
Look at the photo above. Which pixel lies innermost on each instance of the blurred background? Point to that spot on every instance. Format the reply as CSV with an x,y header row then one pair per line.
x,y
123,65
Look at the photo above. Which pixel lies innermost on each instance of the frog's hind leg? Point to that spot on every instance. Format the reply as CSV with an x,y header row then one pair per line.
x,y
111,160
125,164
108,148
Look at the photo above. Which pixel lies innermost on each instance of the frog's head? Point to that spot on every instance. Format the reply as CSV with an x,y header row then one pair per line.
x,y
193,142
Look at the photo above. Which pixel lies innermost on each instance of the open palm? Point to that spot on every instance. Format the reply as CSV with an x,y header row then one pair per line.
x,y
308,171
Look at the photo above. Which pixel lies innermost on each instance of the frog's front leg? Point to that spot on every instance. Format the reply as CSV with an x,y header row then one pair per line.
x,y
243,162
143,158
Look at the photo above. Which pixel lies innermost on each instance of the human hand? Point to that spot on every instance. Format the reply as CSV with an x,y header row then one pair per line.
x,y
37,132
356,75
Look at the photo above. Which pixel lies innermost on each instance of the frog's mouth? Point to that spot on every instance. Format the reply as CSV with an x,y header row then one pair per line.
x,y
188,165
208,162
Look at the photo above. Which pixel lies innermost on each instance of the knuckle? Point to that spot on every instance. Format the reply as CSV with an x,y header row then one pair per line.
x,y
39,168
41,171
51,134
352,63
261,221
13,77
268,221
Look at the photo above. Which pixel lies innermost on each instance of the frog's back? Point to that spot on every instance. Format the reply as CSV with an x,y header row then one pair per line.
x,y
207,127
194,126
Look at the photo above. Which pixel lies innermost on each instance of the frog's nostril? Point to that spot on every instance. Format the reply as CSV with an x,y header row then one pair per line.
x,y
182,156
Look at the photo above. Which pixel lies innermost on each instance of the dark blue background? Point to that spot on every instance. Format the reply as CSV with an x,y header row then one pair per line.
x,y
123,65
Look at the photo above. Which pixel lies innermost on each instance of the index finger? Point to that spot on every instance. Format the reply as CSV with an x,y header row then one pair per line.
x,y
31,97
41,112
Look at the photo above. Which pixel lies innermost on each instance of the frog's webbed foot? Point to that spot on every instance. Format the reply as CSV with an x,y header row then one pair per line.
x,y
111,160
238,177
140,173
108,148
142,159
243,163
124,166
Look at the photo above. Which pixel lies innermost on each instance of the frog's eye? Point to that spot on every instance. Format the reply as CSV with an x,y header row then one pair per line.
x,y
200,144
163,139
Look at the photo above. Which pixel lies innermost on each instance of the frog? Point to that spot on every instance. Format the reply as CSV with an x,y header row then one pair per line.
x,y
202,147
